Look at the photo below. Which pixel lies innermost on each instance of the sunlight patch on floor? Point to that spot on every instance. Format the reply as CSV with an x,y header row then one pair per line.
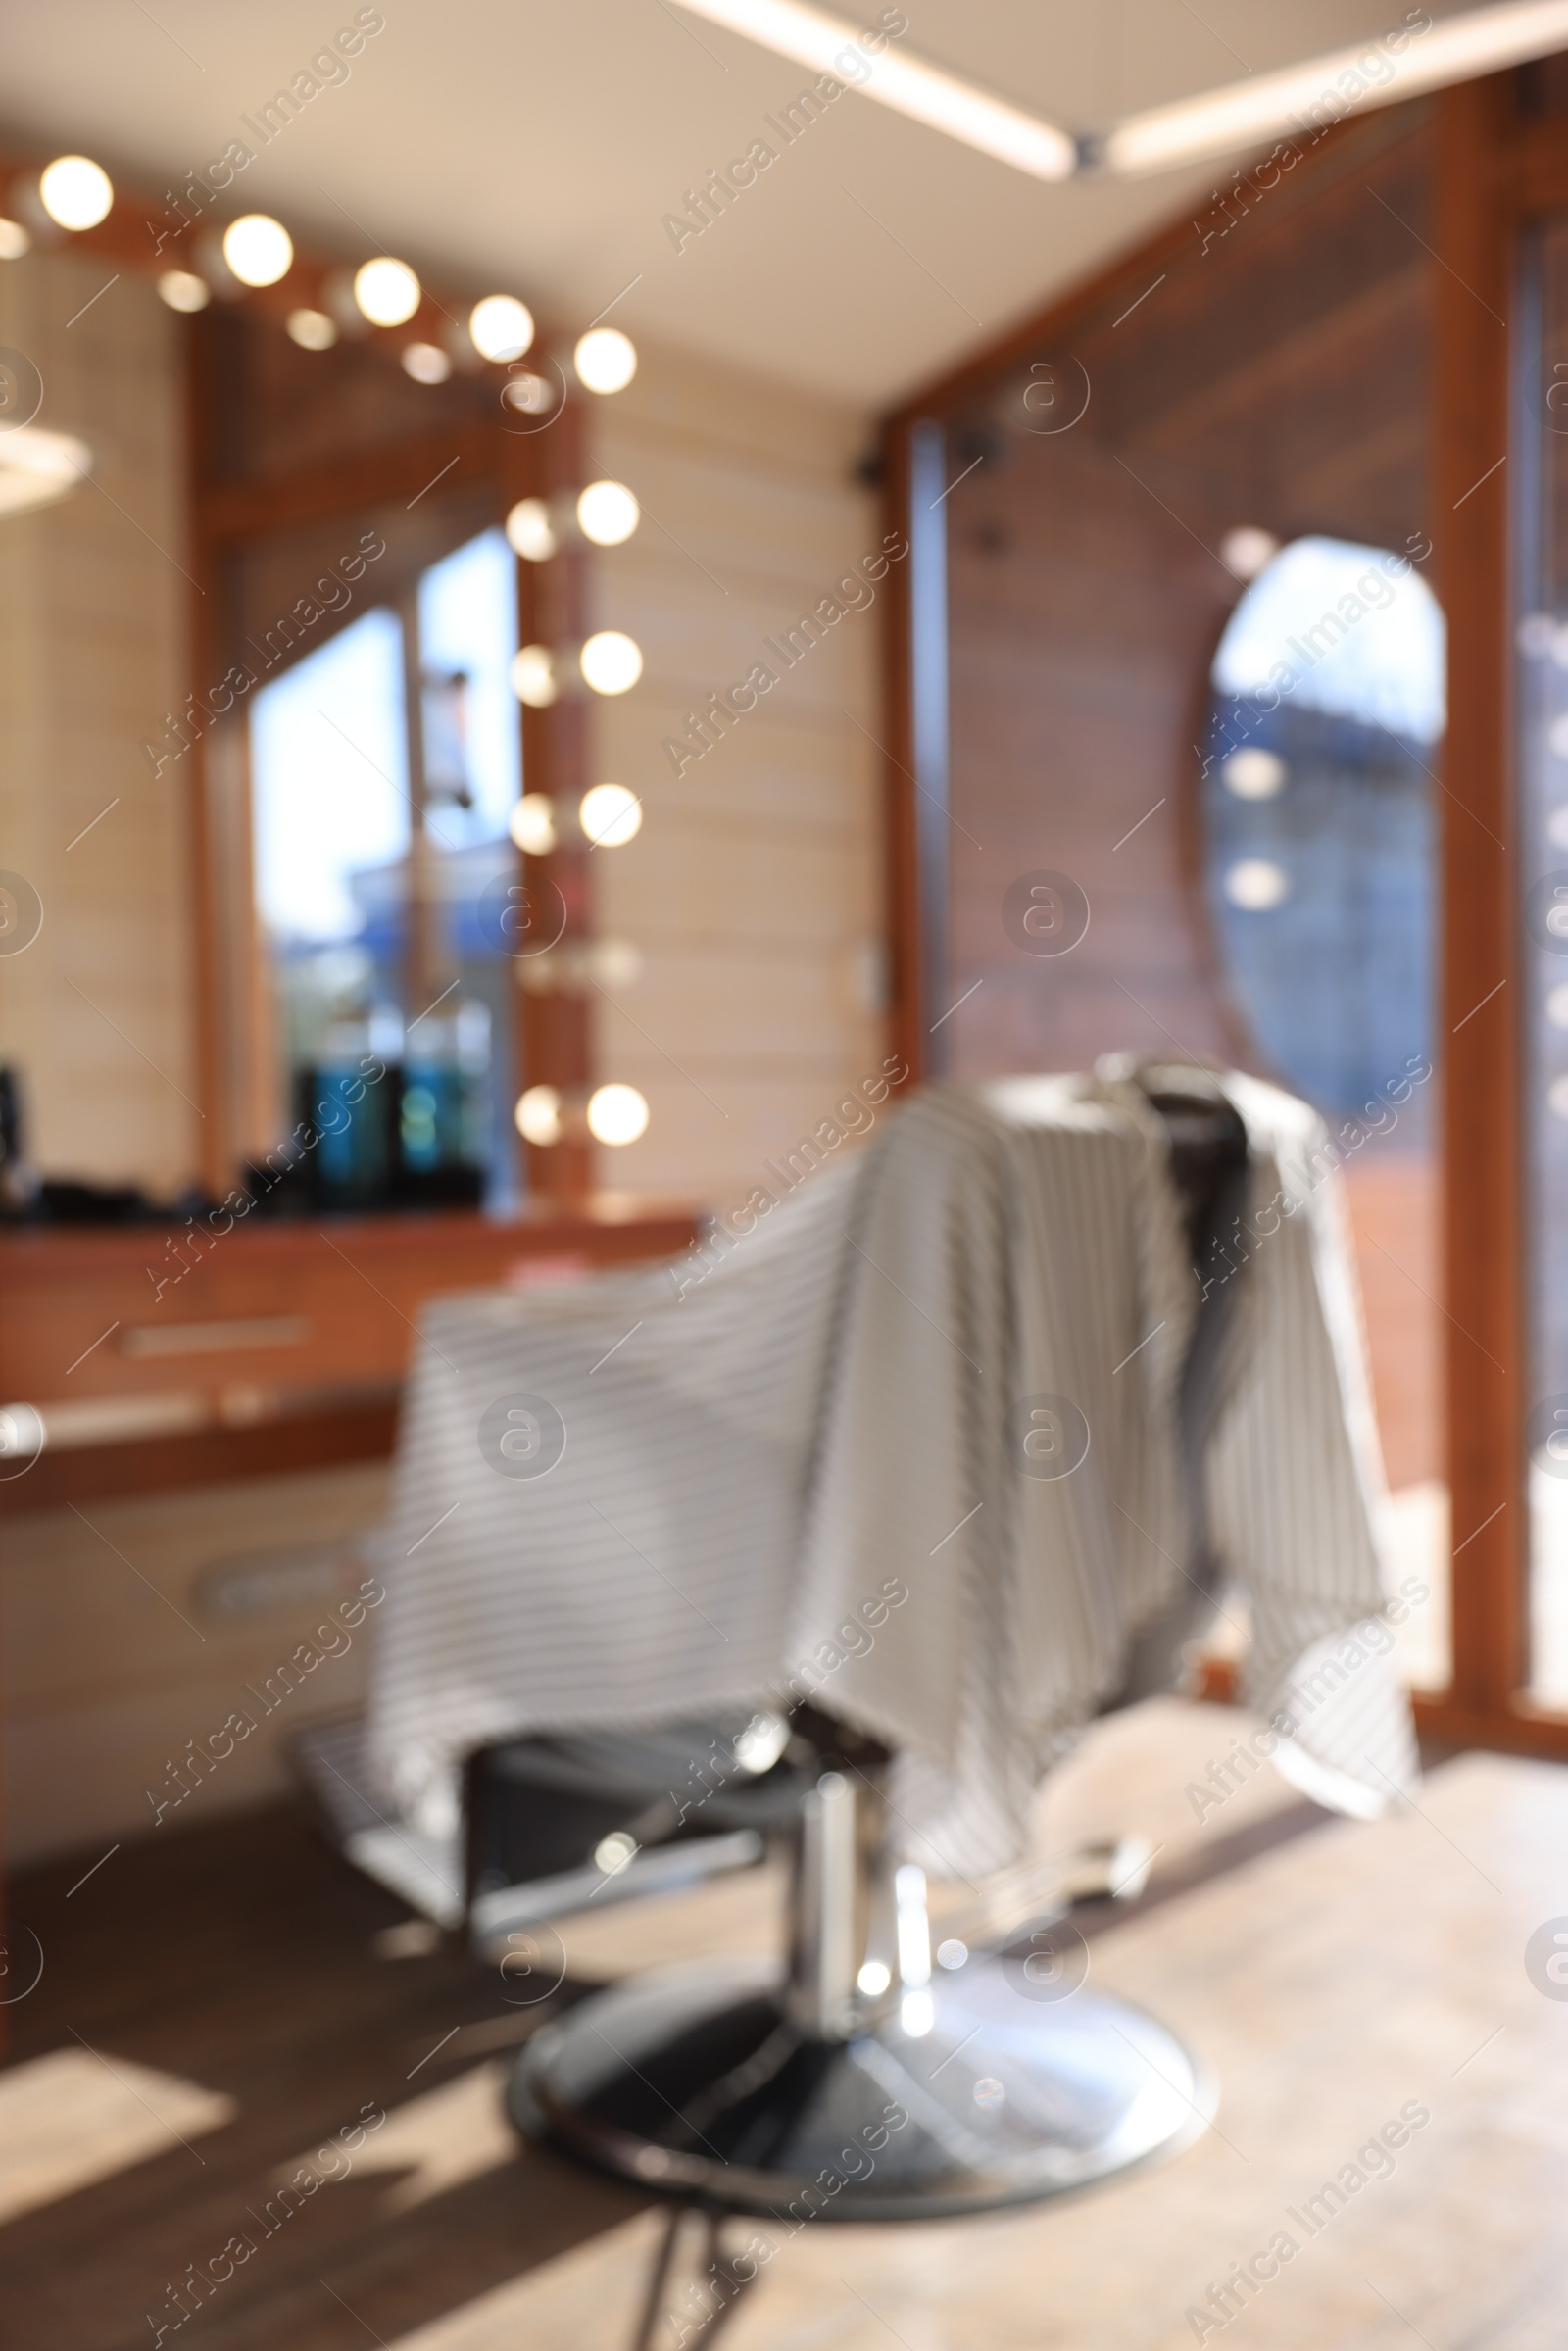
x,y
438,2140
74,2118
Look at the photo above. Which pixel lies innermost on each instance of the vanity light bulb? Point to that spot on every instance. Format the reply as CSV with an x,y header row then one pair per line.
x,y
1245,552
604,359
257,249
529,532
76,192
616,1115
1252,773
183,290
612,662
386,291
611,816
533,676
538,1115
312,330
501,327
1256,885
608,513
532,824
426,363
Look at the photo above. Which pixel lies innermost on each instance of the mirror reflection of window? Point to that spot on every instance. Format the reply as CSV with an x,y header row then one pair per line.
x,y
371,869
1319,823
1540,751
1320,846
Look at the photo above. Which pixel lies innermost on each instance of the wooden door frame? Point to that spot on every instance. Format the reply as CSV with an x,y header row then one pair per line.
x,y
1499,171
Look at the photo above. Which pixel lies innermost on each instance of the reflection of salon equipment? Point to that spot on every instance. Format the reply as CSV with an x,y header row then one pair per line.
x,y
742,1444
405,1139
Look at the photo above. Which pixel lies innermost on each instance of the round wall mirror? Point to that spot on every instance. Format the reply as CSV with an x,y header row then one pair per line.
x,y
1319,825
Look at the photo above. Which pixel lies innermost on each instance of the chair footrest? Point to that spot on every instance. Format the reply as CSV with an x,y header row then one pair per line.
x,y
667,1869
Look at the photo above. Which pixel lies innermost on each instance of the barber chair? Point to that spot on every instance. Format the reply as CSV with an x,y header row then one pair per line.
x,y
856,2077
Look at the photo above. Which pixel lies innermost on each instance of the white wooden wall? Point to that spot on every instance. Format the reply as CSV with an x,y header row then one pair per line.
x,y
753,889
92,631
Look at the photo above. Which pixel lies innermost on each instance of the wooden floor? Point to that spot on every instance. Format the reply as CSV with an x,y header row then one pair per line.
x,y
218,2010
242,1960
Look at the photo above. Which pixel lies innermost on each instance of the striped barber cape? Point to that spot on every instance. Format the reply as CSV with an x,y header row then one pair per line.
x,y
908,1446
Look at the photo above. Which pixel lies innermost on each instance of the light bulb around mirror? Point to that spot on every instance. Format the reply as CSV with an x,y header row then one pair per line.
x,y
386,291
500,327
1252,773
76,192
257,249
614,963
183,290
611,816
608,513
616,1115
604,359
532,824
538,1115
312,330
529,532
426,363
533,676
1245,550
612,662
1256,885
15,240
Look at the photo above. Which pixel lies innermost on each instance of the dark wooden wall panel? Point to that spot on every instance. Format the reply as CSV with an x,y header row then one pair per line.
x,y
1281,377
1081,616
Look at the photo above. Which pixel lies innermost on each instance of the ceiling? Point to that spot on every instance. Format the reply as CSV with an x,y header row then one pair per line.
x,y
536,145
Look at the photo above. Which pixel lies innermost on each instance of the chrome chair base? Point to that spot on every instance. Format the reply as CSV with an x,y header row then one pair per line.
x,y
974,2093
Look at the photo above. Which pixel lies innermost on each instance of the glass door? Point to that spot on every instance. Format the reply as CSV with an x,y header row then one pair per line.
x,y
1541,643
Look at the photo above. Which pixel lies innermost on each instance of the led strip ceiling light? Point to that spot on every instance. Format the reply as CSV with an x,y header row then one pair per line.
x,y
813,37
1412,57
1393,65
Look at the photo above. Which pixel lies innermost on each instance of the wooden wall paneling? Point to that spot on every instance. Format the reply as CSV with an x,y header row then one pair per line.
x,y
1276,380
1482,1238
345,484
1082,611
1533,165
1183,256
